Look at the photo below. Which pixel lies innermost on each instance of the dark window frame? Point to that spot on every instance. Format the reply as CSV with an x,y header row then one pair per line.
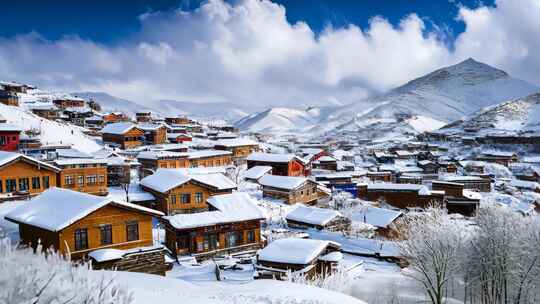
x,y
132,231
105,232
81,239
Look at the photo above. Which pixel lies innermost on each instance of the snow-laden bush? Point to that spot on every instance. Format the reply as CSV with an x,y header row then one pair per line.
x,y
28,277
339,280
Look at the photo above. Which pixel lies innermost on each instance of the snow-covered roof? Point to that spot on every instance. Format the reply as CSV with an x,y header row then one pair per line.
x,y
110,254
10,127
118,128
421,189
256,172
282,182
149,126
378,217
472,194
8,157
456,178
57,208
272,158
79,161
207,153
72,153
312,215
236,142
233,207
524,184
166,179
293,251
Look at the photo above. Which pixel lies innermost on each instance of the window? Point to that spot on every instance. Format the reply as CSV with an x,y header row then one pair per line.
x,y
36,182
46,182
11,185
132,229
233,239
1,186
23,184
210,242
198,197
173,199
251,236
68,180
91,179
106,234
2,140
186,198
80,180
101,179
81,239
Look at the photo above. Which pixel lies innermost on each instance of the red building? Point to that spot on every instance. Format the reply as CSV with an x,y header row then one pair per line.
x,y
282,164
9,137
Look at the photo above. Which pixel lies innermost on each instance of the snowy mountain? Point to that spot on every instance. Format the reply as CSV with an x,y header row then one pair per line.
x,y
520,115
283,120
111,103
423,104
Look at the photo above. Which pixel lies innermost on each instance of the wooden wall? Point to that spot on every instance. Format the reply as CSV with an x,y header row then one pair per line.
x,y
99,188
22,169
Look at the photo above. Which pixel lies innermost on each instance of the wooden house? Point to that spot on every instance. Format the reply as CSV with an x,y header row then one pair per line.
x,y
469,182
499,157
210,158
282,164
118,170
22,176
177,191
291,189
123,134
458,199
380,176
49,112
69,102
154,134
294,255
79,223
232,224
384,220
306,217
401,195
87,175
178,120
115,117
151,161
325,163
9,137
179,137
9,98
239,147
428,166
141,117
13,87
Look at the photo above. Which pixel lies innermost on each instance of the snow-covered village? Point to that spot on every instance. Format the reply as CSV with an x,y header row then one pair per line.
x,y
270,152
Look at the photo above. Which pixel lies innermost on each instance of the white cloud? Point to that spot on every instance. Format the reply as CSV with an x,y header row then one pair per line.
x,y
249,53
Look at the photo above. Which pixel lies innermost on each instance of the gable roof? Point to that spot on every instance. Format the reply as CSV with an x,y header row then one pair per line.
x,y
282,182
293,251
57,208
118,128
233,207
166,179
378,217
256,172
7,158
273,158
312,215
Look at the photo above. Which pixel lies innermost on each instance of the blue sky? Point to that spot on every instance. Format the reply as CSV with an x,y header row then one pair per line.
x,y
107,21
247,51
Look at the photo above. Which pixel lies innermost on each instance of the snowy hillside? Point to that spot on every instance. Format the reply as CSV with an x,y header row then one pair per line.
x,y
52,132
207,111
423,104
520,115
281,120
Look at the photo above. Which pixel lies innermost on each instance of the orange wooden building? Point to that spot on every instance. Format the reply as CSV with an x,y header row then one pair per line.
x,y
123,134
21,175
179,192
209,158
154,134
9,98
282,164
151,161
78,223
240,147
83,174
69,102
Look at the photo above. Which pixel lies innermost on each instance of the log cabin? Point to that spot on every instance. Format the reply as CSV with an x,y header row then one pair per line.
x,y
303,256
115,117
458,199
78,223
123,134
282,164
22,176
9,98
143,117
325,163
232,224
401,195
179,137
306,217
239,147
49,112
87,175
151,161
177,191
209,158
154,134
291,189
9,137
69,102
